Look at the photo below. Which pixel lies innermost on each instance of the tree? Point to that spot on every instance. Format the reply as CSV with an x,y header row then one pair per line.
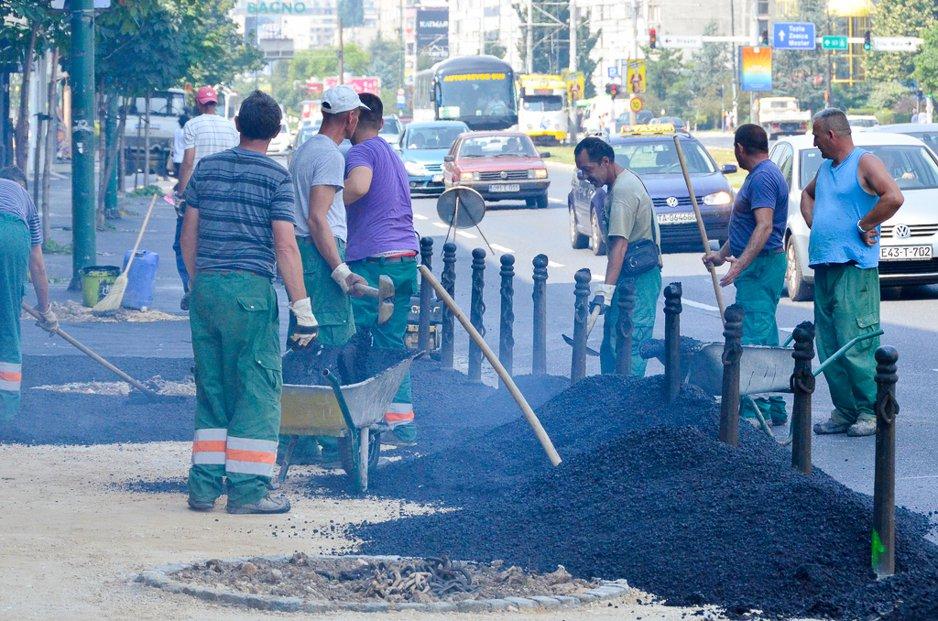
x,y
800,73
926,62
710,80
551,52
387,62
288,80
668,81
911,18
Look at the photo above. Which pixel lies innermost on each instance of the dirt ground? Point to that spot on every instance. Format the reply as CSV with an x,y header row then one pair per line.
x,y
73,538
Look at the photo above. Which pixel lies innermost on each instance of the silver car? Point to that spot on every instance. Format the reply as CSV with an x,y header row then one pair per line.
x,y
909,241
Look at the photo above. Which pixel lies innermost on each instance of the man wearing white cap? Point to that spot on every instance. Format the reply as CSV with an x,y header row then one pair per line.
x,y
204,135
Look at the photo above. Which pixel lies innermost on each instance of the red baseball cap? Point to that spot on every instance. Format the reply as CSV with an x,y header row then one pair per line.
x,y
206,95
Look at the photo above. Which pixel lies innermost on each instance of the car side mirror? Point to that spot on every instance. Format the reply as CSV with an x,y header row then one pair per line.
x,y
544,154
449,158
728,169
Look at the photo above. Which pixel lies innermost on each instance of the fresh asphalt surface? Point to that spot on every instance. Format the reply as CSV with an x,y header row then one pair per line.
x,y
512,228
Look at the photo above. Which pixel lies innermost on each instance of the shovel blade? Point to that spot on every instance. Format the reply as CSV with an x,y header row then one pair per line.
x,y
589,350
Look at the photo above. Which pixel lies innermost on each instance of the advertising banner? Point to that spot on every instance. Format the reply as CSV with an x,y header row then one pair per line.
x,y
432,32
755,68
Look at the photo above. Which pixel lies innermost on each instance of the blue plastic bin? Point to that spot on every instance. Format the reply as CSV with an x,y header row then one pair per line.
x,y
140,280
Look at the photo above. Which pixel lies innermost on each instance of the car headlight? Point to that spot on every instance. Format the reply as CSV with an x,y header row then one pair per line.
x,y
718,198
414,168
466,176
537,173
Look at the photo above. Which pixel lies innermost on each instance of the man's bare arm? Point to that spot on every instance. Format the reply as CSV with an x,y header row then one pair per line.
x,y
618,247
357,184
188,240
807,202
875,179
185,169
288,259
37,274
320,201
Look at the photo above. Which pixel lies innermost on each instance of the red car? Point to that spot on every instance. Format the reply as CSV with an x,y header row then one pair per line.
x,y
499,165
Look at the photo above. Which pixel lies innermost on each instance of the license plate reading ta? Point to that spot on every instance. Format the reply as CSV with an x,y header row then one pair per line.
x,y
905,253
511,187
675,218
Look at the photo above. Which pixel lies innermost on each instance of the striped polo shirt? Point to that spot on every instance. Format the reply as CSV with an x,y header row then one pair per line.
x,y
209,134
16,201
239,193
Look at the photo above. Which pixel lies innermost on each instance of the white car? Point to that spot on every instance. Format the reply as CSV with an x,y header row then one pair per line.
x,y
862,122
909,240
282,142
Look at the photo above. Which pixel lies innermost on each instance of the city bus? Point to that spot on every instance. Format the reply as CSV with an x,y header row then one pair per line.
x,y
542,110
478,90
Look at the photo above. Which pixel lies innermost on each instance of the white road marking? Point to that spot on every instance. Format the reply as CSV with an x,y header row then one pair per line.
x,y
699,305
465,234
440,225
501,248
418,216
554,264
598,277
924,476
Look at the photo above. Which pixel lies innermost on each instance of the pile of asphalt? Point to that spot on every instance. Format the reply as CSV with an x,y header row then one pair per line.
x,y
647,493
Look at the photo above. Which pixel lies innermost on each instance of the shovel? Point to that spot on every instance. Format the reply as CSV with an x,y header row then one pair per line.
x,y
384,293
112,301
589,329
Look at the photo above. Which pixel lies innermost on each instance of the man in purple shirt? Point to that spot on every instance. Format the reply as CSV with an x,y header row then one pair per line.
x,y
381,241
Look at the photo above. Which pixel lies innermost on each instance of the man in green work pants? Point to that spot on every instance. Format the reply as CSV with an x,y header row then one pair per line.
x,y
755,252
631,219
851,195
238,222
20,251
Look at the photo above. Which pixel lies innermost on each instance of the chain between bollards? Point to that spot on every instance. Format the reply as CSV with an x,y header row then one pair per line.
x,y
626,306
476,312
802,386
732,352
423,325
581,292
448,280
506,338
539,351
883,538
673,376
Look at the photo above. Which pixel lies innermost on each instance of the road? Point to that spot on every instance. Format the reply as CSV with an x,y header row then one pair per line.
x,y
906,316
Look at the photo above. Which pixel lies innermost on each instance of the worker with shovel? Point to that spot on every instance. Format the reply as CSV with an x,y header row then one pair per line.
x,y
633,250
382,242
238,222
20,251
756,254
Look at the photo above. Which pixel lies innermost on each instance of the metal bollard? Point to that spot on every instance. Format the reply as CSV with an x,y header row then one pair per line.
x,y
581,292
506,337
673,375
448,280
423,326
539,361
732,351
802,386
884,486
626,306
476,312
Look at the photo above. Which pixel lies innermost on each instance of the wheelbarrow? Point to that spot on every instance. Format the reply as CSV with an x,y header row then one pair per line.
x,y
762,369
353,413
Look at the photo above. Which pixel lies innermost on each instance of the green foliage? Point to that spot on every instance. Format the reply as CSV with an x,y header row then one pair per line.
x,y
910,18
552,43
669,82
710,80
801,74
387,62
50,26
147,190
926,62
288,79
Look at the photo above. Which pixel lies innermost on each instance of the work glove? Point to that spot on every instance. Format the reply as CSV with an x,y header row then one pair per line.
x,y
306,327
346,278
603,298
48,321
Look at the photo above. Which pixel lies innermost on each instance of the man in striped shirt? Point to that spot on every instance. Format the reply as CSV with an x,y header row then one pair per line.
x,y
238,222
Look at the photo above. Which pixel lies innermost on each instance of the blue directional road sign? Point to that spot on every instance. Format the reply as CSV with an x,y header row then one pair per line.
x,y
793,36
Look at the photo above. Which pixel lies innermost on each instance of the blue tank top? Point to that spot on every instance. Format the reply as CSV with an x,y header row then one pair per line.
x,y
839,202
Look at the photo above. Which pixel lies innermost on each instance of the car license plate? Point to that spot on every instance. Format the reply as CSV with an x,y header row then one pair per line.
x,y
511,187
675,218
437,179
905,253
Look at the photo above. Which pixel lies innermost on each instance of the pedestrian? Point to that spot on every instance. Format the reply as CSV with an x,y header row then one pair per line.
x,y
239,220
179,145
851,195
204,135
20,254
382,242
318,172
633,250
756,254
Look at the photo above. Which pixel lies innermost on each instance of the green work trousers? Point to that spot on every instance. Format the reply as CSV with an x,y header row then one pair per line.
x,y
390,335
234,321
331,306
14,263
647,291
758,289
846,305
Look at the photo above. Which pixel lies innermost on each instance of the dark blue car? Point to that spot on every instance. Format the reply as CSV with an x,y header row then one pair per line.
x,y
654,159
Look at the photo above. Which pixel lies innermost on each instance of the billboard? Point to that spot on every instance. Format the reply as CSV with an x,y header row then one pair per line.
x,y
755,68
432,32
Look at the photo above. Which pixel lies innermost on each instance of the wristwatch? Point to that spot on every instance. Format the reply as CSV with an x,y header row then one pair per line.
x,y
862,230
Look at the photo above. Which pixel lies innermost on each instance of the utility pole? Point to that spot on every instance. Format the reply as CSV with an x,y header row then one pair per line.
x,y
529,40
338,14
574,22
735,56
81,73
633,120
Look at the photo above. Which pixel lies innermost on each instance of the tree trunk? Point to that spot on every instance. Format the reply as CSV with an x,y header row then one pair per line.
x,y
51,134
146,144
121,147
99,208
22,118
42,125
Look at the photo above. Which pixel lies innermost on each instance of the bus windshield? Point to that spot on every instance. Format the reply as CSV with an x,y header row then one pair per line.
x,y
473,95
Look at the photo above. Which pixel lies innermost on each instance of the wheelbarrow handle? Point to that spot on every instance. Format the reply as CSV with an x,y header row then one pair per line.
x,y
847,346
343,406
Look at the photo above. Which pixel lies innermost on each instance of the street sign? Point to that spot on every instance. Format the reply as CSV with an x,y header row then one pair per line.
x,y
896,44
793,36
837,43
635,76
687,42
636,104
613,72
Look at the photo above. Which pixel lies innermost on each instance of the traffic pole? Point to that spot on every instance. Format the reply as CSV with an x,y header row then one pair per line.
x,y
81,72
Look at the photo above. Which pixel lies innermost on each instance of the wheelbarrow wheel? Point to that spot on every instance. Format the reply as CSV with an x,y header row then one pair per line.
x,y
348,455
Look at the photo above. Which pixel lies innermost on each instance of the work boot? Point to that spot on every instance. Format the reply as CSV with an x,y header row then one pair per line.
x,y
402,435
831,426
863,427
777,411
267,504
201,505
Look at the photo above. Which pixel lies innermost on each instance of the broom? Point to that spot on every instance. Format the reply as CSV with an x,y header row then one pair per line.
x,y
112,301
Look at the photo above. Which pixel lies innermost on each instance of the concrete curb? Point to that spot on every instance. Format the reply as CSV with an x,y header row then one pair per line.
x,y
159,578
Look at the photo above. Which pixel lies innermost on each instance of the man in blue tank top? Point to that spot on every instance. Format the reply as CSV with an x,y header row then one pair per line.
x,y
844,205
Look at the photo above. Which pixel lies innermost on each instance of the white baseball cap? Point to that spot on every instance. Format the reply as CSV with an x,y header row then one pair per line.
x,y
339,99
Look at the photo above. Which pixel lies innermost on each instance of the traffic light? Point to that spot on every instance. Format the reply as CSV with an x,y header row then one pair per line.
x,y
867,41
764,38
612,89
652,38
